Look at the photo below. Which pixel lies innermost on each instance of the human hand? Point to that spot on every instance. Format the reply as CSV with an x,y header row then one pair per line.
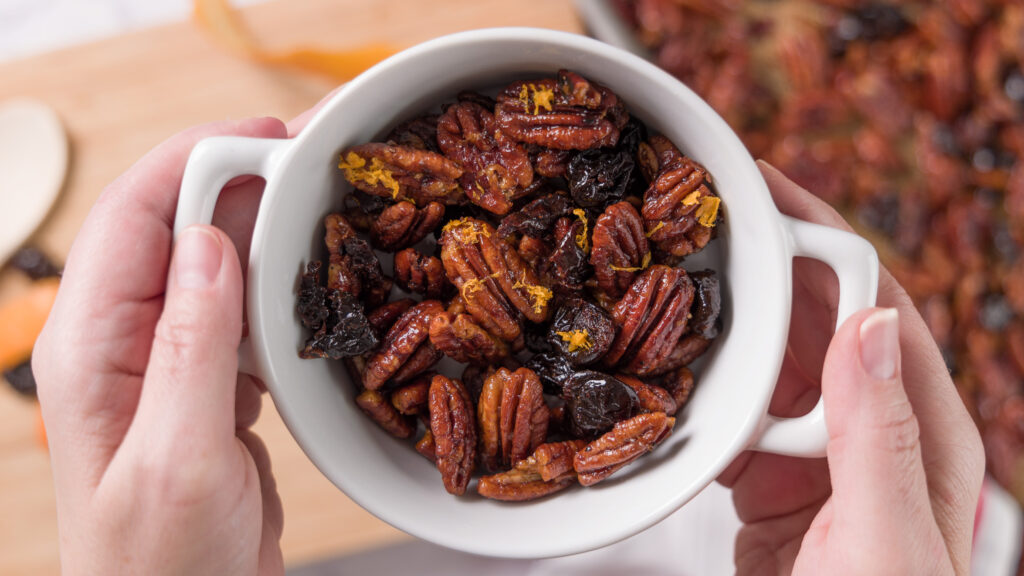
x,y
898,492
156,470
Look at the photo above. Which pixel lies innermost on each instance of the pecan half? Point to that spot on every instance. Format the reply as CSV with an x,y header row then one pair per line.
x,y
652,316
567,113
411,399
652,398
385,315
493,280
460,337
453,428
402,173
415,272
533,477
549,163
626,442
340,275
620,249
496,169
402,224
513,417
707,304
426,447
679,384
680,210
379,409
405,348
354,268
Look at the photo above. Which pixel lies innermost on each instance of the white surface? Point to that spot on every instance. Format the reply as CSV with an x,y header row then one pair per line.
x,y
29,27
385,476
696,540
997,543
33,162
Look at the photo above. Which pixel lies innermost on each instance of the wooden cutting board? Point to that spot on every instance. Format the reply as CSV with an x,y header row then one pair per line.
x,y
120,97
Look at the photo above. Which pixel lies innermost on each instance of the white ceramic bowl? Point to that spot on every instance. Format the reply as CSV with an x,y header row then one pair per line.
x,y
728,411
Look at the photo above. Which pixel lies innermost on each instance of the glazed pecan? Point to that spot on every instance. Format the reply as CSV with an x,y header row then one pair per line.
x,y
548,470
379,409
620,249
340,275
651,316
384,316
567,113
627,441
533,251
402,173
354,268
513,417
411,399
554,459
680,210
707,305
403,224
419,133
453,428
406,350
426,447
679,384
493,280
361,209
460,337
496,169
415,272
652,398
549,163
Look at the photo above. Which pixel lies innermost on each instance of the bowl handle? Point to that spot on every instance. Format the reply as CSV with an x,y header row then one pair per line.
x,y
212,163
855,262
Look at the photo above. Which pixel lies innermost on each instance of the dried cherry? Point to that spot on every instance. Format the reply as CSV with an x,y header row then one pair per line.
x,y
594,402
553,369
599,177
581,331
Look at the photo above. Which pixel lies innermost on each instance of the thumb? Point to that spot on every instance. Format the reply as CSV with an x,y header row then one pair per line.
x,y
189,389
880,493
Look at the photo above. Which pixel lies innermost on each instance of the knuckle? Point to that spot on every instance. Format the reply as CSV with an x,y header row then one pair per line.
x,y
181,480
898,428
176,337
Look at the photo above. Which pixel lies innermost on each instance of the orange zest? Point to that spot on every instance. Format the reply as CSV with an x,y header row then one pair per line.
x,y
220,19
21,321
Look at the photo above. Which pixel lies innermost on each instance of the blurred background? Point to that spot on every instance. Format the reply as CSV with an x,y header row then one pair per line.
x,y
905,116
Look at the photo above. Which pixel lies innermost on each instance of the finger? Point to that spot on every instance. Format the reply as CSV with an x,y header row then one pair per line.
x,y
131,223
235,214
91,355
273,511
951,447
880,492
189,390
248,401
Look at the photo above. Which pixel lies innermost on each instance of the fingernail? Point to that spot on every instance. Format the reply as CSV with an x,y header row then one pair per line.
x,y
880,344
197,258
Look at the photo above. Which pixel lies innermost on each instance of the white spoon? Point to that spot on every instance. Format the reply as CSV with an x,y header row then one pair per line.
x,y
33,163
